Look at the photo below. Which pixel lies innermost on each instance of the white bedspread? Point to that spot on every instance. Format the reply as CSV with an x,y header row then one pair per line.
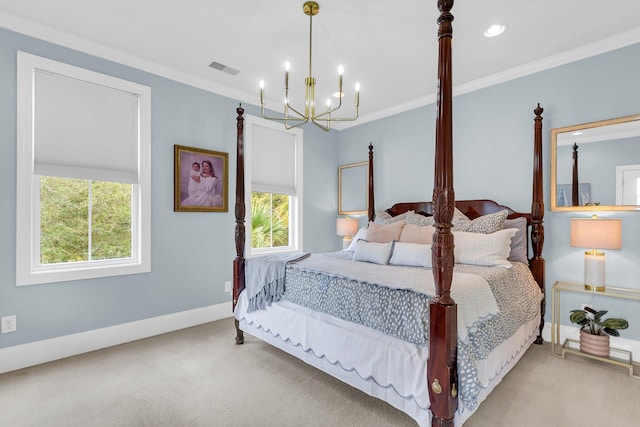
x,y
471,292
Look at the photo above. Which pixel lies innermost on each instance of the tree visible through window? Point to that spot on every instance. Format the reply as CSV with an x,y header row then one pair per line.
x,y
83,220
269,220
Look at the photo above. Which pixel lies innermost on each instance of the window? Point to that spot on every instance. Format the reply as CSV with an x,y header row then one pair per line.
x,y
274,177
83,165
269,220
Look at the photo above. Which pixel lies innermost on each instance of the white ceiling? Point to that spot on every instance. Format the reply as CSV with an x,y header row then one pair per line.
x,y
389,47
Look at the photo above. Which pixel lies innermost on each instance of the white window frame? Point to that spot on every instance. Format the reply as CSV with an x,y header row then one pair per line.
x,y
29,271
296,202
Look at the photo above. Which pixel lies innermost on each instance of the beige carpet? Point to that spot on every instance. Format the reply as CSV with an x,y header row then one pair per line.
x,y
199,377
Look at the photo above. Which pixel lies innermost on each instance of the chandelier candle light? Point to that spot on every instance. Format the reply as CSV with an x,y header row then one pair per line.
x,y
322,119
595,233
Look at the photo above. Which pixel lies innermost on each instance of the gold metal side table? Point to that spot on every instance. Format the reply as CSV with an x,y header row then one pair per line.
x,y
620,357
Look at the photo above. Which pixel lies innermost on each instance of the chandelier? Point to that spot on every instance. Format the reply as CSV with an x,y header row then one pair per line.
x,y
293,117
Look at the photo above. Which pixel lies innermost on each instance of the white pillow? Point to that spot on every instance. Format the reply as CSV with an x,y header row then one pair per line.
x,y
361,234
483,249
411,254
375,252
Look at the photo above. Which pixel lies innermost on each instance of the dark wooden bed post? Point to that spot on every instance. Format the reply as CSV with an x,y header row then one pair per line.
x,y
575,194
238,262
371,205
442,364
537,264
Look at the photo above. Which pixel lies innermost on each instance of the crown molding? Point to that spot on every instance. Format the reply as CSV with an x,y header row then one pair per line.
x,y
43,32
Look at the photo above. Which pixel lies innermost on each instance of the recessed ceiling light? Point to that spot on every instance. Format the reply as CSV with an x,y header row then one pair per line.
x,y
495,30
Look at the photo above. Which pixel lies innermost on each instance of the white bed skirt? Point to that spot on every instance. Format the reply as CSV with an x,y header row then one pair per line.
x,y
377,364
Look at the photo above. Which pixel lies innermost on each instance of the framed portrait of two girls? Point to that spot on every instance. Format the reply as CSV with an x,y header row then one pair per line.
x,y
201,180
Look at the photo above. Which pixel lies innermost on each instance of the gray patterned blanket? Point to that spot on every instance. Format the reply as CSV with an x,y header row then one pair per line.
x,y
470,291
265,278
370,298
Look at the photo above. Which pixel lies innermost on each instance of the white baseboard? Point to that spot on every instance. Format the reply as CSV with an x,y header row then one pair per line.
x,y
35,353
570,332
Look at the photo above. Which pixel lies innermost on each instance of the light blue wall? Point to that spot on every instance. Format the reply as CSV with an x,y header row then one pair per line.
x,y
493,146
192,253
493,135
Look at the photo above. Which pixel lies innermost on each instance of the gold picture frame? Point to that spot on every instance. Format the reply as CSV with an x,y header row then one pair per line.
x,y
353,184
200,180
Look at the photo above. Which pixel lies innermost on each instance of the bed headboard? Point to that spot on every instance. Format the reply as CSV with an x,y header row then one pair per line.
x,y
471,208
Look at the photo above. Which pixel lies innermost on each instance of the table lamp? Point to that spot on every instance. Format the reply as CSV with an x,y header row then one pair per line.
x,y
347,228
595,233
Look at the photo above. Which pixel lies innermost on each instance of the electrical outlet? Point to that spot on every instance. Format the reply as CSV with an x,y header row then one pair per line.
x,y
227,287
8,324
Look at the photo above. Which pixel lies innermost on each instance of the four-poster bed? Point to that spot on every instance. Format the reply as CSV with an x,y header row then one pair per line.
x,y
381,358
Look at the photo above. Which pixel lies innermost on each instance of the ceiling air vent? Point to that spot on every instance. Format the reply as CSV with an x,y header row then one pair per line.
x,y
224,68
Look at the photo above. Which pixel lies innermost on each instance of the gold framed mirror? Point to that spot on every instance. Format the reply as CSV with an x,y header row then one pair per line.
x,y
353,195
596,166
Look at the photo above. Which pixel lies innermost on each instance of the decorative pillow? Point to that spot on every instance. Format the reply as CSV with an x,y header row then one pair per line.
x,y
519,240
459,219
411,254
483,249
384,218
415,234
486,224
384,233
417,219
377,253
361,234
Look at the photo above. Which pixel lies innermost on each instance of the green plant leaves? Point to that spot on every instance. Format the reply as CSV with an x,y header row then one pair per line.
x,y
578,316
595,324
611,332
615,323
598,315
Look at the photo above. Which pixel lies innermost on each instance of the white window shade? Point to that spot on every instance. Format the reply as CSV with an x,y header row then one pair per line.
x,y
74,132
273,164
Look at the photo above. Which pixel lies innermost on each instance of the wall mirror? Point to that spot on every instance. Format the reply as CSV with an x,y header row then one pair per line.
x,y
596,166
353,192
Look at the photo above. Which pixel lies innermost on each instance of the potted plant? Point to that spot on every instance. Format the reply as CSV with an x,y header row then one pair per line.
x,y
595,332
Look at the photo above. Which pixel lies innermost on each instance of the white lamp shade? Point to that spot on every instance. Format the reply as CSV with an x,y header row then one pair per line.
x,y
346,227
596,233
